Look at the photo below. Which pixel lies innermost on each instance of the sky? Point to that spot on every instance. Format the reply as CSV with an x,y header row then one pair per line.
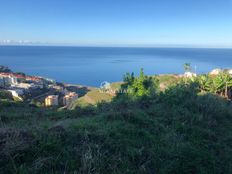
x,y
200,23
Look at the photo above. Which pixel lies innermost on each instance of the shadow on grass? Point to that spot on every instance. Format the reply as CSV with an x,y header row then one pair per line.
x,y
81,91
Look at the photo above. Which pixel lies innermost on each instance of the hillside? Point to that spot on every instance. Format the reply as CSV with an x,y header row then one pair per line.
x,y
94,95
178,130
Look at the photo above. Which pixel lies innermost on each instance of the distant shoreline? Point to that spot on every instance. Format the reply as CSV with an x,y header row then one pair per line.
x,y
120,47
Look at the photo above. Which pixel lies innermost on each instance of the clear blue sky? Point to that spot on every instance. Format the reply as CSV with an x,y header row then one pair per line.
x,y
118,22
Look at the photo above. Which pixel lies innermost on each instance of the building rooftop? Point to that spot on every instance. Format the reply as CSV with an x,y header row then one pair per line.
x,y
52,96
32,78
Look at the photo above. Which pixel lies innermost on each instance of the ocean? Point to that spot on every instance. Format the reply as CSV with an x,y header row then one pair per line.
x,y
93,65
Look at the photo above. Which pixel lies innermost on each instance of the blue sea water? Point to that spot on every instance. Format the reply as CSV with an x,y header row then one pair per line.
x,y
93,65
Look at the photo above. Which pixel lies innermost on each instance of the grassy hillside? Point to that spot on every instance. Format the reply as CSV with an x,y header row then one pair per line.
x,y
179,130
93,97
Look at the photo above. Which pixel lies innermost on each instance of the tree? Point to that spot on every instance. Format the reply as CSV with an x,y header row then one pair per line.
x,y
20,73
187,67
129,78
220,84
4,69
139,86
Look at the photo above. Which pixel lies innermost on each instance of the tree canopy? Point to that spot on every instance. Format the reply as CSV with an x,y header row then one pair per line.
x,y
4,69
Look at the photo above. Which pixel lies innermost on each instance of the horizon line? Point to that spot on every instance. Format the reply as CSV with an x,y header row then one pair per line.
x,y
125,46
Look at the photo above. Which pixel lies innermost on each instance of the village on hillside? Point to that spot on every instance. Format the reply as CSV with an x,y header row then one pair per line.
x,y
44,92
36,90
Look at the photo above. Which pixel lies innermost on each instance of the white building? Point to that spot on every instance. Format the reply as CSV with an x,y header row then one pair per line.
x,y
51,100
13,80
216,71
16,93
230,71
8,80
57,88
49,80
189,74
69,98
23,85
27,86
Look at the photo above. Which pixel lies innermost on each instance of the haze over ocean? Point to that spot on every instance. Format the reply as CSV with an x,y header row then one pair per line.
x,y
93,65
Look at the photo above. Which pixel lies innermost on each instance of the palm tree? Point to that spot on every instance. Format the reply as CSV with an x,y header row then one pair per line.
x,y
187,67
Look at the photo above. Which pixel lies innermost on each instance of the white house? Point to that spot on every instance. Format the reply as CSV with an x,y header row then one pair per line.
x,y
230,71
216,71
51,100
13,80
16,93
9,80
189,74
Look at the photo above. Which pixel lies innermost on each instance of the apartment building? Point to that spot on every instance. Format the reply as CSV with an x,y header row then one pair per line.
x,y
51,100
69,98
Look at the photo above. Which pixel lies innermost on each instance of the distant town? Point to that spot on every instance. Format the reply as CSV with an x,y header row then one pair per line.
x,y
45,92
37,90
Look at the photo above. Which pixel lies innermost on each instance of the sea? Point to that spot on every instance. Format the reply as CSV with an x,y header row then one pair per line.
x,y
91,66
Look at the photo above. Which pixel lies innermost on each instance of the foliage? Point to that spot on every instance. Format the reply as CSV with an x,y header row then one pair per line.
x,y
220,84
5,95
20,73
187,67
140,86
179,130
4,69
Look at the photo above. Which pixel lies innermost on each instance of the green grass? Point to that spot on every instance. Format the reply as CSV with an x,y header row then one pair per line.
x,y
93,97
167,79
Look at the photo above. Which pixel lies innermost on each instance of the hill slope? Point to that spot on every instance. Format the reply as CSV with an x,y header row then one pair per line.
x,y
176,131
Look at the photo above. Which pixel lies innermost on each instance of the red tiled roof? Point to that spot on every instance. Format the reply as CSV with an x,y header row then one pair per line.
x,y
20,76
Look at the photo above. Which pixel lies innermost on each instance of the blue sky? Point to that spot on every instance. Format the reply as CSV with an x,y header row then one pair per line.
x,y
202,23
